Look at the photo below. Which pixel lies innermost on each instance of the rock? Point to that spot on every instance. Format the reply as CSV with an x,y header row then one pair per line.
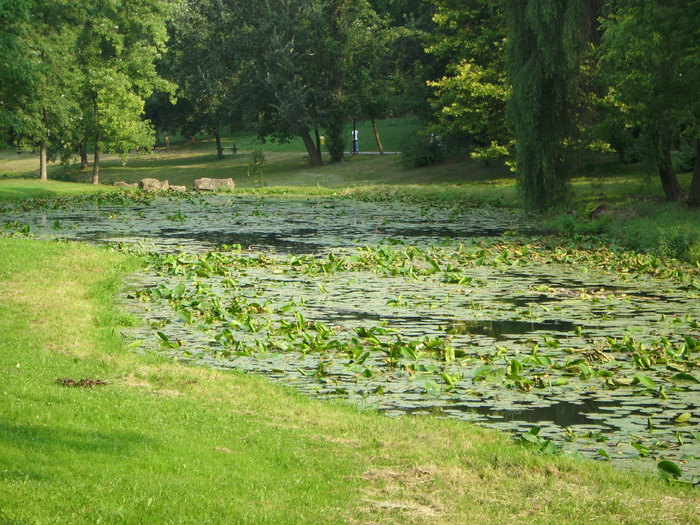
x,y
179,189
153,185
122,184
205,184
599,211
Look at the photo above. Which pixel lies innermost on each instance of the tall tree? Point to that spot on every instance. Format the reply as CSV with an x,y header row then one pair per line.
x,y
545,46
37,73
374,74
204,65
650,59
298,52
117,47
470,98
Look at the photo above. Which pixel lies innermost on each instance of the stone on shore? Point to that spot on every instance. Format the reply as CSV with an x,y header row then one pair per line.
x,y
154,185
205,184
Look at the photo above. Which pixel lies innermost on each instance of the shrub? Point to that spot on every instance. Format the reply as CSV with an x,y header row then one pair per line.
x,y
422,149
685,161
256,165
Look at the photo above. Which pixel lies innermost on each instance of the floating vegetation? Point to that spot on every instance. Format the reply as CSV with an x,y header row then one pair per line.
x,y
569,344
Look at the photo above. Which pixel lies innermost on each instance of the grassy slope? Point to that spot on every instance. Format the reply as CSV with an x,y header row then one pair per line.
x,y
163,443
18,189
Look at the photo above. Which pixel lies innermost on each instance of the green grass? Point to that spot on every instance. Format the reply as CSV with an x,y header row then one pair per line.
x,y
19,189
164,443
392,132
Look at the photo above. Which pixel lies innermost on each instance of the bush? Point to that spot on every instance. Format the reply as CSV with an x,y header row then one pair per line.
x,y
422,149
256,165
685,161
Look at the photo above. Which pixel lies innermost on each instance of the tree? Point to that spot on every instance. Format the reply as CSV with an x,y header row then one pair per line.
x,y
16,71
37,73
373,77
650,60
297,54
202,62
470,98
545,47
117,47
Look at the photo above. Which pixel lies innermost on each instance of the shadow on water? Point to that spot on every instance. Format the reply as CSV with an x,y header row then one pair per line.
x,y
561,413
500,329
520,302
276,241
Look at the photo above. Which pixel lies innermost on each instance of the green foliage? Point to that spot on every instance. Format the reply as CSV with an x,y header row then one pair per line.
x,y
544,55
687,157
422,149
256,165
37,80
660,229
116,52
200,62
470,99
649,62
335,138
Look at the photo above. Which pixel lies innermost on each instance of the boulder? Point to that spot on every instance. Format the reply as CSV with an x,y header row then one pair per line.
x,y
205,184
179,189
153,184
122,184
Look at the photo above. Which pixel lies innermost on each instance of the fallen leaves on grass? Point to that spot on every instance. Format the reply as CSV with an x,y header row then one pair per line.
x,y
87,382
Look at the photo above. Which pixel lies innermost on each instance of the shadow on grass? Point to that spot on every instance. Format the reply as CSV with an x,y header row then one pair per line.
x,y
56,440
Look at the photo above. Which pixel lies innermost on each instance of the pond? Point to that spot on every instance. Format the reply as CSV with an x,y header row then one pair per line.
x,y
465,313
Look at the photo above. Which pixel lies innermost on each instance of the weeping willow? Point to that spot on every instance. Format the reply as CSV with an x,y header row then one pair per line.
x,y
545,45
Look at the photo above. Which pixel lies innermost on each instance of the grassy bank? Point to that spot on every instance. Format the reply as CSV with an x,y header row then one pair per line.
x,y
163,443
20,189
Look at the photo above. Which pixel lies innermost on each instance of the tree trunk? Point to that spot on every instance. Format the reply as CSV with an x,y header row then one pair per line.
x,y
167,139
314,154
694,193
193,139
158,142
83,156
376,136
42,161
669,180
96,161
43,176
318,141
219,147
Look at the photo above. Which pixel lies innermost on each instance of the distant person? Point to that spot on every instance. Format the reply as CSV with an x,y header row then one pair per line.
x,y
355,142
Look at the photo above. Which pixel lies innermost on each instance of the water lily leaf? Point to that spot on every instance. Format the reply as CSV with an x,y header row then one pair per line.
x,y
603,454
431,387
534,431
683,418
549,448
622,381
645,381
668,469
531,438
643,451
685,378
